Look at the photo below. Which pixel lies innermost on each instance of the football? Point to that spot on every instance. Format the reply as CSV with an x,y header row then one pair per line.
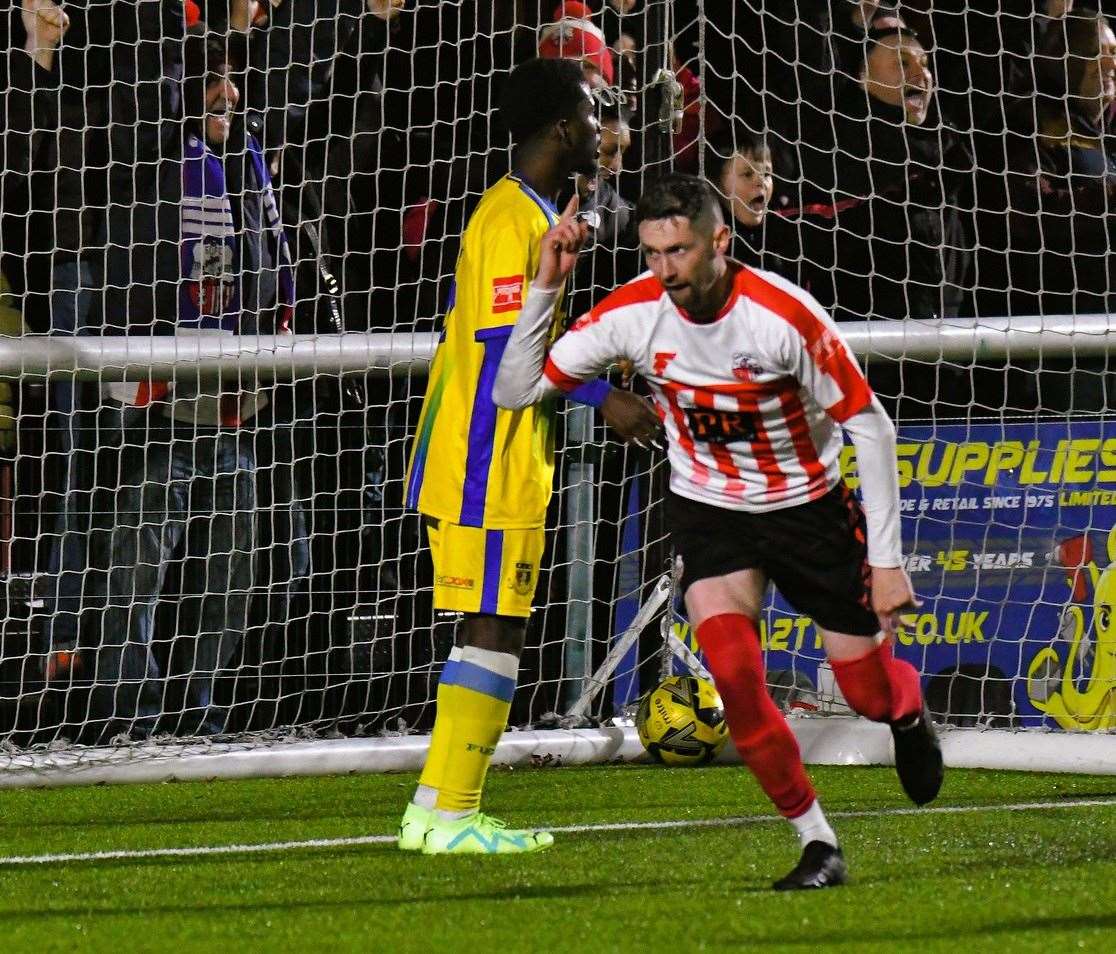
x,y
681,722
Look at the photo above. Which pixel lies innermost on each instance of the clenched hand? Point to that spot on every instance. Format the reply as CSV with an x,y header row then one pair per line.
x,y
631,416
892,595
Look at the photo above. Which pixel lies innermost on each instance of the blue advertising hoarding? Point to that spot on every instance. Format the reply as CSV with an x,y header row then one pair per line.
x,y
1009,531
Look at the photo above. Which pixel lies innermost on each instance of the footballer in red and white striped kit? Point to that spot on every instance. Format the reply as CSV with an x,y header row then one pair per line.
x,y
753,384
752,401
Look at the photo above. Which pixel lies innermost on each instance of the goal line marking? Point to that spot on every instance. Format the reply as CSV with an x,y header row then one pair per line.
x,y
355,841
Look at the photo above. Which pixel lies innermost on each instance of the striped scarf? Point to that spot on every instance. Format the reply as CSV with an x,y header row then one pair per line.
x,y
209,286
209,294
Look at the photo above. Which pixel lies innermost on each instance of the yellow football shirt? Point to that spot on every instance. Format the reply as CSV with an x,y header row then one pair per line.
x,y
473,463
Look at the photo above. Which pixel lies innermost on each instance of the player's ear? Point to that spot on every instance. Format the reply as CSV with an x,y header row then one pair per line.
x,y
562,128
722,238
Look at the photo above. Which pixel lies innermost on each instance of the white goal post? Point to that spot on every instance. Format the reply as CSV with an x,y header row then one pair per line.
x,y
127,358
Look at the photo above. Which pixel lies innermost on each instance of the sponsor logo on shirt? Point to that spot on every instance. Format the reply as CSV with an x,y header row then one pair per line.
x,y
457,582
507,294
662,359
720,427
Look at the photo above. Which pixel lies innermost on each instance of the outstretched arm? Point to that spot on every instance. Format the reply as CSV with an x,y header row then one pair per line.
x,y
873,435
819,357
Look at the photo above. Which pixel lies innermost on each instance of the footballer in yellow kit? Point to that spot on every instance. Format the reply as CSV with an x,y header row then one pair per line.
x,y
482,476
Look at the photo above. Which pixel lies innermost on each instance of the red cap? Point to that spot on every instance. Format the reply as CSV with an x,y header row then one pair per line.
x,y
193,13
575,37
572,8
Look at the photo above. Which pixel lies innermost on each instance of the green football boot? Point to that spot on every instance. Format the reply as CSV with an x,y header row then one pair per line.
x,y
478,834
413,827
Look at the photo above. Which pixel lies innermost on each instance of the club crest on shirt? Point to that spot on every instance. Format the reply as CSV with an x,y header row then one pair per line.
x,y
523,574
211,284
744,366
507,294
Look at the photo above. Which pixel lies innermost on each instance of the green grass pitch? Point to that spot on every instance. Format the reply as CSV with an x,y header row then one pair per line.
x,y
1023,879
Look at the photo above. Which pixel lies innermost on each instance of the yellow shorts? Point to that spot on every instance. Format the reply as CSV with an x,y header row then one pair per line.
x,y
484,571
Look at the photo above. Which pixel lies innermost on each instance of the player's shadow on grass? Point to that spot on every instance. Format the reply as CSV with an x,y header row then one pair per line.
x,y
502,894
890,940
865,875
139,821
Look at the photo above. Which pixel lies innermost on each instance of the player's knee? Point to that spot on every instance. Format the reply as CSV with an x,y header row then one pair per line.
x,y
863,696
499,634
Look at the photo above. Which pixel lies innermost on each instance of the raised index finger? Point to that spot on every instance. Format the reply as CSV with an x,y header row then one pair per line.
x,y
572,206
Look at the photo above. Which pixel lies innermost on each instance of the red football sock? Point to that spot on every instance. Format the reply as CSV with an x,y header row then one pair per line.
x,y
759,731
879,686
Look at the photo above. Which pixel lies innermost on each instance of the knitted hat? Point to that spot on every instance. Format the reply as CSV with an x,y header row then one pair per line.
x,y
574,36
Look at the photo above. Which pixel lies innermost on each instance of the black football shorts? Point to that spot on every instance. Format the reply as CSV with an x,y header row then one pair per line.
x,y
816,553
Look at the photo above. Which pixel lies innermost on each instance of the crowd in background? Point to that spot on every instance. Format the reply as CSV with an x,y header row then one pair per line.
x,y
306,166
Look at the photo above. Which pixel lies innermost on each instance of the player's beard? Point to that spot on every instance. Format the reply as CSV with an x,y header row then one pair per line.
x,y
683,297
699,297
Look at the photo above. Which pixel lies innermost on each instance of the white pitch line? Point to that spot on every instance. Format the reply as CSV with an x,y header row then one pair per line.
x,y
127,854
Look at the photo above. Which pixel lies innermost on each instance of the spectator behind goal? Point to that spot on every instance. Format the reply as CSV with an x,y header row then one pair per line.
x,y
882,237
885,191
1044,225
187,470
741,168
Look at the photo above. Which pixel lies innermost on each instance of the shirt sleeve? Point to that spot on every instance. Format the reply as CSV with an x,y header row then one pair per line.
x,y
528,372
504,255
591,344
816,354
519,379
873,435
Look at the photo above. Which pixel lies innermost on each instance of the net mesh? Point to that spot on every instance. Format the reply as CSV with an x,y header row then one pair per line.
x,y
228,557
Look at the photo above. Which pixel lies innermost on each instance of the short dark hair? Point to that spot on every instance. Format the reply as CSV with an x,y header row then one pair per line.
x,y
677,195
738,142
537,94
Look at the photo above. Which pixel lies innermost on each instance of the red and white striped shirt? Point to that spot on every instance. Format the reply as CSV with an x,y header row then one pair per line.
x,y
751,402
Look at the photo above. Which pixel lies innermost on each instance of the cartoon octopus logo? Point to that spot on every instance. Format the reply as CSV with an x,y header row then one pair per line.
x,y
1079,690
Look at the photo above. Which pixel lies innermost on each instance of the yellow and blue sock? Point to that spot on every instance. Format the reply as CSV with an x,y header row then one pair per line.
x,y
474,699
431,779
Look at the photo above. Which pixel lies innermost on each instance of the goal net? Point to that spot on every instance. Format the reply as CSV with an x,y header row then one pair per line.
x,y
226,262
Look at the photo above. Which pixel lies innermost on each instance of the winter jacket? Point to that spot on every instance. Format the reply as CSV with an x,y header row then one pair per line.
x,y
881,232
1046,220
